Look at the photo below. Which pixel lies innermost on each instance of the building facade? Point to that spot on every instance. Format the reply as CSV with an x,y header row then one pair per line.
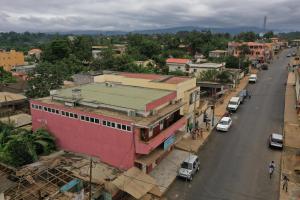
x,y
10,59
116,123
261,52
178,64
218,53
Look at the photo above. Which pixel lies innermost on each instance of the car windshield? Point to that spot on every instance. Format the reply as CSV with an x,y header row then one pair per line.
x,y
232,103
276,140
187,165
224,122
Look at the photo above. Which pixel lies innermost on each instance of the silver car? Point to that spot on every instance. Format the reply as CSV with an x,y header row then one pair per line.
x,y
189,167
276,141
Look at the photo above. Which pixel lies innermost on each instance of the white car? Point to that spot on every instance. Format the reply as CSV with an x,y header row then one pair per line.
x,y
252,78
276,141
224,124
234,103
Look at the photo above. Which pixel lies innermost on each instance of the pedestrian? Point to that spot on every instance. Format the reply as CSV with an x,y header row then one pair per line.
x,y
285,183
271,168
190,127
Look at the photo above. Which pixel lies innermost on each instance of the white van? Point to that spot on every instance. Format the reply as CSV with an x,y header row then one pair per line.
x,y
252,78
189,167
234,103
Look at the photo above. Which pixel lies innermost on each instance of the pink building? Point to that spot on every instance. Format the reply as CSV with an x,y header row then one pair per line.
x,y
119,124
258,51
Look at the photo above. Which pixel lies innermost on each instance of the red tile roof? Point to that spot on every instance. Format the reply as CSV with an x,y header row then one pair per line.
x,y
178,60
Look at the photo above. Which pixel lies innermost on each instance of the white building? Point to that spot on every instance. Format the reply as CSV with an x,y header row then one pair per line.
x,y
198,68
178,64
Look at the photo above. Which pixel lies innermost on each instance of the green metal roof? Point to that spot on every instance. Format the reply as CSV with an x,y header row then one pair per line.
x,y
116,95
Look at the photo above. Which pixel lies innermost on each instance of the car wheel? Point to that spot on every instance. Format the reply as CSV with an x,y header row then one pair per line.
x,y
191,178
198,168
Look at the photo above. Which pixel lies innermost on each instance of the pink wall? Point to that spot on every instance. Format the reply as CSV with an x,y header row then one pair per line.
x,y
112,146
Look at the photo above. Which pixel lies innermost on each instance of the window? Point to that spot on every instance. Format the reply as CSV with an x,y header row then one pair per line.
x,y
128,128
57,112
67,114
63,113
53,110
71,115
108,123
49,109
45,108
124,127
92,119
97,121
75,116
113,124
82,117
195,70
87,119
41,107
119,126
104,122
32,105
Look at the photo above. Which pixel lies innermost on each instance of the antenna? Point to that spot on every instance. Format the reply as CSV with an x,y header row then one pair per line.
x,y
265,24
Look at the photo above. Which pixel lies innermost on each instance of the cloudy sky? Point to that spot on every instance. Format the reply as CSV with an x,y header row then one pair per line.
x,y
63,15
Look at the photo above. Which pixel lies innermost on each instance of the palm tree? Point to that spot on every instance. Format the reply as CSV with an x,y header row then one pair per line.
x,y
208,75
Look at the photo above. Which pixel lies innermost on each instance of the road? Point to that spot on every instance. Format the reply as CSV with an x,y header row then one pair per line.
x,y
234,165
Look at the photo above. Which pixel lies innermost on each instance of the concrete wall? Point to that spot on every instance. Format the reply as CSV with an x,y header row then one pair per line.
x,y
110,145
10,59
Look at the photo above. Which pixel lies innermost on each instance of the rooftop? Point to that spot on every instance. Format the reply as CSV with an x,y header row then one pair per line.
x,y
178,60
9,97
218,51
152,77
207,65
115,95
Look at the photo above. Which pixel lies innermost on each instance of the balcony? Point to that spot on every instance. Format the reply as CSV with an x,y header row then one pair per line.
x,y
145,146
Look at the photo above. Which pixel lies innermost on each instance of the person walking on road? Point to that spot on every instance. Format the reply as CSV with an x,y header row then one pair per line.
x,y
285,183
271,168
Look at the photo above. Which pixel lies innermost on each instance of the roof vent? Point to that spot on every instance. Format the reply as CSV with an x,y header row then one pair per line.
x,y
76,93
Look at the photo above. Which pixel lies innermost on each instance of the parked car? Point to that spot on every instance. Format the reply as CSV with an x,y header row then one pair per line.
x,y
243,95
288,55
294,54
233,104
189,167
264,67
224,124
276,141
252,78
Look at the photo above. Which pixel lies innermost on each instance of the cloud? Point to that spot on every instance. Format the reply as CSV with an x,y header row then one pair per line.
x,y
63,15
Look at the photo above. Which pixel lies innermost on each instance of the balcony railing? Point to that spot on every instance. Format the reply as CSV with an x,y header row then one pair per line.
x,y
145,147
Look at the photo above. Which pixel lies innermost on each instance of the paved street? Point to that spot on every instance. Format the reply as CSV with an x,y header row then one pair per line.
x,y
234,165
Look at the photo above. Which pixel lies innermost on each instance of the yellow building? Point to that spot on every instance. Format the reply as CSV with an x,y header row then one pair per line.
x,y
10,59
186,88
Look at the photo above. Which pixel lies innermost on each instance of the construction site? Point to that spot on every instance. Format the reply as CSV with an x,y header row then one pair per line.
x,y
64,176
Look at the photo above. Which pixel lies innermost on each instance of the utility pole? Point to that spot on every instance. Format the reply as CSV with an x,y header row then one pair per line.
x,y
90,186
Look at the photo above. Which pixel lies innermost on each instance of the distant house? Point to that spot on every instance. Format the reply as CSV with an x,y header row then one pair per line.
x,y
10,59
258,51
24,69
178,64
196,69
218,53
146,63
118,49
35,53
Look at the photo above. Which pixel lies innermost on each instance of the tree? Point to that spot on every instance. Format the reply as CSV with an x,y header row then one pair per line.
x,y
56,50
245,50
224,77
247,36
6,77
208,75
269,35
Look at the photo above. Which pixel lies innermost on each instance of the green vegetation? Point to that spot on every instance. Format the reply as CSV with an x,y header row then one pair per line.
x,y
19,146
6,77
215,76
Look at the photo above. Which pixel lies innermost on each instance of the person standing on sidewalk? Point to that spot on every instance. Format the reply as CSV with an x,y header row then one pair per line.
x,y
271,168
285,183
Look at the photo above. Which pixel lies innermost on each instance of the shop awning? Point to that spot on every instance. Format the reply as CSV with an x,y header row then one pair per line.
x,y
135,182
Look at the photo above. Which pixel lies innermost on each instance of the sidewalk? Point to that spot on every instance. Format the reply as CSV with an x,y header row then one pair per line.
x,y
290,163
